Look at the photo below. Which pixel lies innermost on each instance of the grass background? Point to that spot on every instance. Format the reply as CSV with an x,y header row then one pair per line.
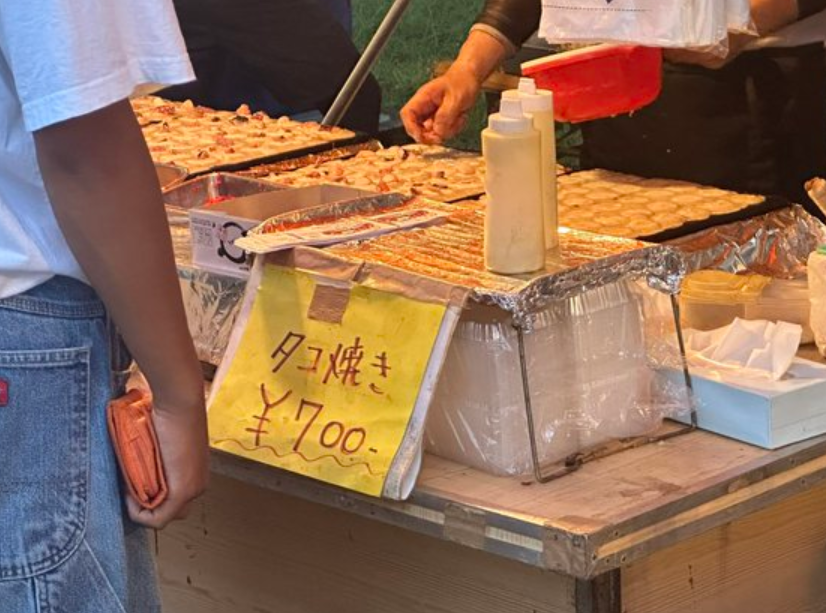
x,y
431,30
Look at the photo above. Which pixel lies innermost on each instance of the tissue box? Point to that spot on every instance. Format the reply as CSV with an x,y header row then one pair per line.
x,y
765,413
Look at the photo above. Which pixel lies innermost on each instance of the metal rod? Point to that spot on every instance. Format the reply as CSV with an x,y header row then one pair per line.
x,y
689,383
526,389
368,59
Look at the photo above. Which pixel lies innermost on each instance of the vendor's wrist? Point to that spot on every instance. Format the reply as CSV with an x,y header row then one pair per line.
x,y
480,55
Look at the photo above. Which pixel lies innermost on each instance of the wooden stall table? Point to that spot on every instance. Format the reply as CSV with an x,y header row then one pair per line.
x,y
698,524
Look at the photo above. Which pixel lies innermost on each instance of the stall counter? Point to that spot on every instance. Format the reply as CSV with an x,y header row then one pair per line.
x,y
698,524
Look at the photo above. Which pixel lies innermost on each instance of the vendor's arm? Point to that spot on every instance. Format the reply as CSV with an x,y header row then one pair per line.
x,y
439,109
105,195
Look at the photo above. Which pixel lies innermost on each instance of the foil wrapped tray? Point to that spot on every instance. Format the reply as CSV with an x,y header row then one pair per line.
x,y
453,252
776,244
211,300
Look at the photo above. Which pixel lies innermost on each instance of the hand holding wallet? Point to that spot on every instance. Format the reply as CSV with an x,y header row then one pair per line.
x,y
136,447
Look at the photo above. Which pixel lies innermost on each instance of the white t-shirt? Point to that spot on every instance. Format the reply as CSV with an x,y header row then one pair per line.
x,y
61,59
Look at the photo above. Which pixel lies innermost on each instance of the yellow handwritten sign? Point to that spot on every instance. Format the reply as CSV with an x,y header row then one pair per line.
x,y
328,400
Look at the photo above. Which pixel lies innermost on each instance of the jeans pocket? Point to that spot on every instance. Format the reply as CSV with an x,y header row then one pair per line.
x,y
44,472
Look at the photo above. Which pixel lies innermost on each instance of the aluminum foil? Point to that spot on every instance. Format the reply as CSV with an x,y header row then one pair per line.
x,y
211,300
777,244
366,205
454,252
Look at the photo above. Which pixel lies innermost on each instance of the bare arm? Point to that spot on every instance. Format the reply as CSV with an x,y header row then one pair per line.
x,y
439,109
772,15
105,195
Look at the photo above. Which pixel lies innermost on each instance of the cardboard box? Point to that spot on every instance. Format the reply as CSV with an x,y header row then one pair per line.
x,y
214,228
762,412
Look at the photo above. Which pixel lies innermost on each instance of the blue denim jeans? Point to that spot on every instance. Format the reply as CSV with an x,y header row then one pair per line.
x,y
66,544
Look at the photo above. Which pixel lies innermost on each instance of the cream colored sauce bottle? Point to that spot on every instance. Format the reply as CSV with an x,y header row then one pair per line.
x,y
538,104
514,238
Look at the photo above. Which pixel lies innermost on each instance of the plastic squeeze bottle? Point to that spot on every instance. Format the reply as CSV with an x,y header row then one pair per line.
x,y
538,104
817,296
514,238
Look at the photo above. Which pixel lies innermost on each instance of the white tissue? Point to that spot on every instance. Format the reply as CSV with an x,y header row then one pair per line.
x,y
745,348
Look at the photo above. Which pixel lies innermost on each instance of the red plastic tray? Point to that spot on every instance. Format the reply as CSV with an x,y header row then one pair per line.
x,y
599,82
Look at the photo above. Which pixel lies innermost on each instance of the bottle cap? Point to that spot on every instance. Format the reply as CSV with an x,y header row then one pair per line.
x,y
510,119
822,249
535,100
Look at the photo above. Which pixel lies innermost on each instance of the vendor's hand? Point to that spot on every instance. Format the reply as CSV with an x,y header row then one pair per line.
x,y
182,437
439,110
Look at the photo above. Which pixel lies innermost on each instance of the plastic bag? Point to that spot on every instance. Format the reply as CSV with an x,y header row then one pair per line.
x,y
697,24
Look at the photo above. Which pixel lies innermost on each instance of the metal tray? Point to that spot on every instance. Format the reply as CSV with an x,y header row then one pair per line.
x,y
453,253
284,155
340,152
169,176
431,155
198,191
769,205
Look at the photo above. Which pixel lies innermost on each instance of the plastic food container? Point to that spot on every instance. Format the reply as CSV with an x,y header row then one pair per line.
x,y
784,300
712,299
590,376
600,81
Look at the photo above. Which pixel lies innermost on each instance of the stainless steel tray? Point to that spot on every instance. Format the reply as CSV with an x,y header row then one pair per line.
x,y
197,192
169,176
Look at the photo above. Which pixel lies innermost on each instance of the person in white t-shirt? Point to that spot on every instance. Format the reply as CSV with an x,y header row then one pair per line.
x,y
754,121
84,243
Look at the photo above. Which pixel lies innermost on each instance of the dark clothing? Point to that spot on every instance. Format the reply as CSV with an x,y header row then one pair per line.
x,y
757,125
280,56
516,19
807,8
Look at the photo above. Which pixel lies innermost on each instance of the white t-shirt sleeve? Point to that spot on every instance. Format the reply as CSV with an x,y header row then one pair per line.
x,y
72,57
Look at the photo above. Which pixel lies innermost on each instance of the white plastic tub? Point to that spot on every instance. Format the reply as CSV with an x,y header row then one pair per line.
x,y
784,300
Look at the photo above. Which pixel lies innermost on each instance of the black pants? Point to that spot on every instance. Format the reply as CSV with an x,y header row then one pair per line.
x,y
293,50
758,125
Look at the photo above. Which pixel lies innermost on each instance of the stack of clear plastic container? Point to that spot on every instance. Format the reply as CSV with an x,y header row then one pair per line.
x,y
596,365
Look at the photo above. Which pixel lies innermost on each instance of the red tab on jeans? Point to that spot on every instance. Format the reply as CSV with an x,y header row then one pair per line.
x,y
4,392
